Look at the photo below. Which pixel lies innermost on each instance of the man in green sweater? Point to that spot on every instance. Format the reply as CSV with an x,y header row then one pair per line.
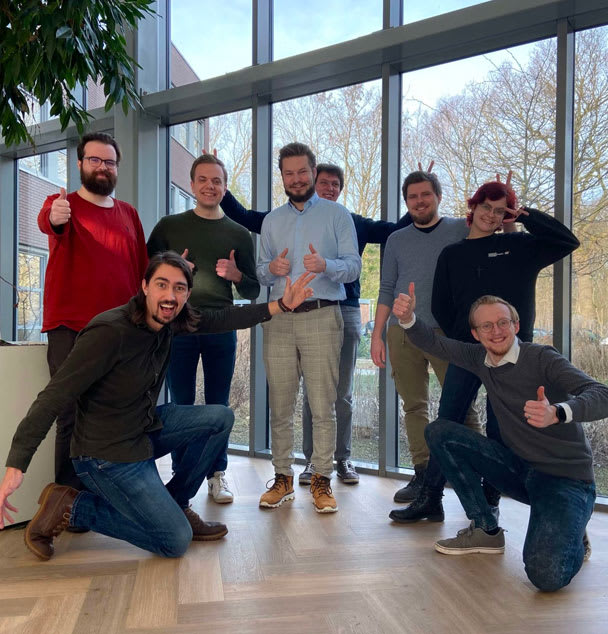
x,y
540,400
222,253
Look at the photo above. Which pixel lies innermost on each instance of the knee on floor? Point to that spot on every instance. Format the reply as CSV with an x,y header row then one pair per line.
x,y
176,543
546,577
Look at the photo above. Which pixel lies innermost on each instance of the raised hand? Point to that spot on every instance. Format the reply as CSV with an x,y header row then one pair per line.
x,y
294,294
280,266
404,305
190,264
540,413
508,181
429,169
228,269
511,215
313,262
60,209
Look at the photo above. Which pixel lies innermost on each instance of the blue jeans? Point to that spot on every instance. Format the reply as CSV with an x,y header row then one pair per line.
x,y
128,501
218,354
351,316
559,507
459,390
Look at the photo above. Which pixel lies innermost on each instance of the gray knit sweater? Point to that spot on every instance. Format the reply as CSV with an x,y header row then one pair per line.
x,y
411,256
560,449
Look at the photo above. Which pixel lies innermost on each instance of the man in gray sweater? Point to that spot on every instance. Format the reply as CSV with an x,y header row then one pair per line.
x,y
540,400
411,255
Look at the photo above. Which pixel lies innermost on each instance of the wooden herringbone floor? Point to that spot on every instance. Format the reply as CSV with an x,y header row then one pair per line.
x,y
292,570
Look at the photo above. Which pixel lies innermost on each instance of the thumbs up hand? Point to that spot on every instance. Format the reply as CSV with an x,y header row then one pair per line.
x,y
404,305
228,269
539,412
313,262
60,209
280,266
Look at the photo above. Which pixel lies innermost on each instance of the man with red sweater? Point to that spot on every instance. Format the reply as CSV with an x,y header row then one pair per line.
x,y
97,258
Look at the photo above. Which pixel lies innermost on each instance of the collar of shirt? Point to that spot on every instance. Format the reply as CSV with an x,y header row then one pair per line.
x,y
307,205
511,356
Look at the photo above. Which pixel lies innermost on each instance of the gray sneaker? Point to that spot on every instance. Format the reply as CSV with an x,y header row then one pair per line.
x,y
472,540
306,475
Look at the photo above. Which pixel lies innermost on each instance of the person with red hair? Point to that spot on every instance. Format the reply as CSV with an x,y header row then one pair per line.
x,y
487,262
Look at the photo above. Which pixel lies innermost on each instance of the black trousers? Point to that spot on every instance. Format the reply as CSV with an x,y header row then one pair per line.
x,y
60,343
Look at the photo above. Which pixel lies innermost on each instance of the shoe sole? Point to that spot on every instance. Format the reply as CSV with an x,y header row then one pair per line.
x,y
26,536
482,550
285,498
348,480
428,518
210,538
220,501
325,509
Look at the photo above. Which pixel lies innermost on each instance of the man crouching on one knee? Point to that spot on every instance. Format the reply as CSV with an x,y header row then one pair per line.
x,y
115,373
540,400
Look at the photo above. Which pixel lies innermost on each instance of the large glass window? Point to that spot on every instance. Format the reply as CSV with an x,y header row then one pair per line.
x,y
40,175
302,27
479,117
344,127
590,221
209,38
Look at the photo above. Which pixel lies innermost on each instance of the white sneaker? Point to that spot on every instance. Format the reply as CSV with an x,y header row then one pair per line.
x,y
218,488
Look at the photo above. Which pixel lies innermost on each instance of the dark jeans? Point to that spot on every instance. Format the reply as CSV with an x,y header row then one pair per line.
x,y
60,343
459,390
128,501
351,315
218,354
559,507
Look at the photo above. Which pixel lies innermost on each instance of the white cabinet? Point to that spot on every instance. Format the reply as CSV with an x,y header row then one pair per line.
x,y
23,374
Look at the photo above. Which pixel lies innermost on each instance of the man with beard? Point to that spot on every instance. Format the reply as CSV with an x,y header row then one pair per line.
x,y
115,372
312,234
329,184
411,255
97,258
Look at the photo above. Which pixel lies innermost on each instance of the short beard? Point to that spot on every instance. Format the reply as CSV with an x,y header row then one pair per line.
x,y
101,188
300,198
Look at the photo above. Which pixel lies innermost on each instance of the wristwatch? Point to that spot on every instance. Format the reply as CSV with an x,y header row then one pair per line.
x,y
560,412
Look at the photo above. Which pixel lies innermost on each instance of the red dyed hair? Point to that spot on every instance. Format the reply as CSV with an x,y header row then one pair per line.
x,y
491,191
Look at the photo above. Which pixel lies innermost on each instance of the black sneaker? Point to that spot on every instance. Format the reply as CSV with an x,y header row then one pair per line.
x,y
347,473
306,475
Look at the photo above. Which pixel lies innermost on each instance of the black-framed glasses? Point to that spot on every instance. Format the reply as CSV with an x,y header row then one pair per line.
x,y
95,161
488,326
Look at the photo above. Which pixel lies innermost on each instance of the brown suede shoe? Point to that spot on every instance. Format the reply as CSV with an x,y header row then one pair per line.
x,y
50,520
204,531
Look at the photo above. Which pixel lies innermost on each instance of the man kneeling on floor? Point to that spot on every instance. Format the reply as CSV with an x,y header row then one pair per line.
x,y
115,373
540,400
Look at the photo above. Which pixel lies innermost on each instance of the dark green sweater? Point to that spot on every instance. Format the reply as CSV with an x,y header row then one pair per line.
x,y
114,373
208,241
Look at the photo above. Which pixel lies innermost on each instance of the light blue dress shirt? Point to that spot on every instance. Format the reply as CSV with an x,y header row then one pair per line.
x,y
326,225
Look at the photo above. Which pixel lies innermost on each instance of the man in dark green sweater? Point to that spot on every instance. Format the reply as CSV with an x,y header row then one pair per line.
x,y
114,374
540,400
223,254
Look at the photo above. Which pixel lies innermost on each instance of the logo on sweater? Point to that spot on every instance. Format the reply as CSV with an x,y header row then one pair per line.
x,y
495,254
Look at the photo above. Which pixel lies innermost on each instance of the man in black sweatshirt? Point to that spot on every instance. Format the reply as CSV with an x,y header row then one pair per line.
x,y
114,374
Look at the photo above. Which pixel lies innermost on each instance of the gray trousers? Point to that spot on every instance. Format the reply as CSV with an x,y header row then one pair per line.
x,y
351,316
308,345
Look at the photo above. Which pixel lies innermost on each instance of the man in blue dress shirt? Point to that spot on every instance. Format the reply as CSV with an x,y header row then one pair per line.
x,y
312,234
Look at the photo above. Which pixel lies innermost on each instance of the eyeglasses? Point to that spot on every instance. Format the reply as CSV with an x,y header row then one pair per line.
x,y
95,161
488,326
499,212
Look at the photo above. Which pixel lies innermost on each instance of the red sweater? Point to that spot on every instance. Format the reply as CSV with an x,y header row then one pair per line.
x,y
97,262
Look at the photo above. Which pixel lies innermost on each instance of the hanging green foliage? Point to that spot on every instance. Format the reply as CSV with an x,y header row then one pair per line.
x,y
49,47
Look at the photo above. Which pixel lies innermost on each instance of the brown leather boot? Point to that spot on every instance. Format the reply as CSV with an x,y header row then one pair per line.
x,y
204,531
50,520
